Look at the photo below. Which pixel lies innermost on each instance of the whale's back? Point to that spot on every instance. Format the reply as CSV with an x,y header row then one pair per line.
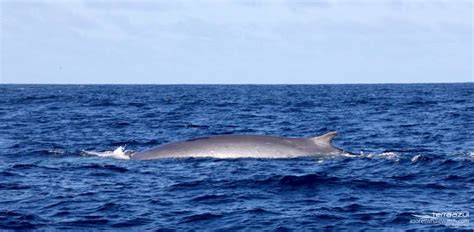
x,y
239,146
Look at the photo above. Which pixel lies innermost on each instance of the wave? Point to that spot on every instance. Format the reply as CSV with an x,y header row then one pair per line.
x,y
413,158
201,217
11,220
106,167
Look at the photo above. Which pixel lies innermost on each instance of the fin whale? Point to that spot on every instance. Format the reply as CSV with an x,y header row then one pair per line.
x,y
243,146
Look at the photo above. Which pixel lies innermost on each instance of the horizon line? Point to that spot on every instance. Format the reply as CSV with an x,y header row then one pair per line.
x,y
362,83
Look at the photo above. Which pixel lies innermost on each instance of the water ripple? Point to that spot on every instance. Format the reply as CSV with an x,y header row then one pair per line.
x,y
64,154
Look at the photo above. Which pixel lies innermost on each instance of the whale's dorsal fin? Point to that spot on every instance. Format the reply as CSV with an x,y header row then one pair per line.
x,y
326,138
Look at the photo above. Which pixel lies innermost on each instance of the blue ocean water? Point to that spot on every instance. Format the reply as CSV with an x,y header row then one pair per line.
x,y
60,150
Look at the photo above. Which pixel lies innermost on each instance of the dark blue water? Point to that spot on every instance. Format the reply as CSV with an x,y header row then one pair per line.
x,y
415,145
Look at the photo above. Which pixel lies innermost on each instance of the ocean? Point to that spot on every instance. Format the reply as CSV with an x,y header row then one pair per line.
x,y
64,166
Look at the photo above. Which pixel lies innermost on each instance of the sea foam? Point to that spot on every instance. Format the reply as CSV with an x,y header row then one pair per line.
x,y
118,153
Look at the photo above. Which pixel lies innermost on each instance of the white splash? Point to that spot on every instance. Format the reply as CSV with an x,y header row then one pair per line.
x,y
119,153
415,158
390,156
348,155
56,151
385,155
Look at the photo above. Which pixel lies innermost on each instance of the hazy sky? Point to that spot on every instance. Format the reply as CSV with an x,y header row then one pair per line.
x,y
241,41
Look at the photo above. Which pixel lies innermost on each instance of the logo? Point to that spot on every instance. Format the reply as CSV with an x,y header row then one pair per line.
x,y
451,219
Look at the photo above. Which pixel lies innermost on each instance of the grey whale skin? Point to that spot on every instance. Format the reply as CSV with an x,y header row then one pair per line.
x,y
243,146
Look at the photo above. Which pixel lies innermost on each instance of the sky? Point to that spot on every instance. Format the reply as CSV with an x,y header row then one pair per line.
x,y
236,42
